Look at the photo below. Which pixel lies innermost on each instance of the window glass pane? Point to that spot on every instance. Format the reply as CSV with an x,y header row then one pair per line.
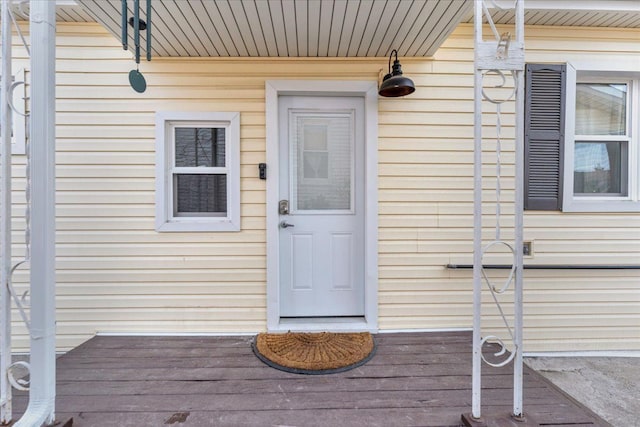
x,y
200,147
601,109
315,154
204,194
322,161
600,168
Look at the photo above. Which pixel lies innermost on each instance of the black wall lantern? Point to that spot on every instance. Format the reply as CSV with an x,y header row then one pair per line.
x,y
394,84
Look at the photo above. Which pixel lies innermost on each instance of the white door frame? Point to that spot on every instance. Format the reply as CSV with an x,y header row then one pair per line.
x,y
369,91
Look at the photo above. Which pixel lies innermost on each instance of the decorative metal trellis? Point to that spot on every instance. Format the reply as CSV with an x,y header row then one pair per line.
x,y
501,58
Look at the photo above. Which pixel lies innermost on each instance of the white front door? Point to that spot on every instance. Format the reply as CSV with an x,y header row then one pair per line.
x,y
321,209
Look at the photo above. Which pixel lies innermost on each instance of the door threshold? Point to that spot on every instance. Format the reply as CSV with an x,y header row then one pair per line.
x,y
325,324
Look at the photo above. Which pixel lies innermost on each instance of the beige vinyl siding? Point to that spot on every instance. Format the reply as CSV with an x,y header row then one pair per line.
x,y
116,274
426,212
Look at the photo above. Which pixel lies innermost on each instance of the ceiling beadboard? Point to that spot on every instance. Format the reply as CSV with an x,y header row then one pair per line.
x,y
290,28
573,18
65,12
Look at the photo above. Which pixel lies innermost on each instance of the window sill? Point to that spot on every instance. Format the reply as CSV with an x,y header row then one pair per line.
x,y
224,225
601,206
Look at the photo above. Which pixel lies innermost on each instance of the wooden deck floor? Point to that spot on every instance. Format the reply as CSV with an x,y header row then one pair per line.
x,y
415,379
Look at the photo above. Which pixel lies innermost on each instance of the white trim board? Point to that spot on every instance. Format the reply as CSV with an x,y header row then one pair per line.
x,y
369,91
596,353
176,334
584,5
425,330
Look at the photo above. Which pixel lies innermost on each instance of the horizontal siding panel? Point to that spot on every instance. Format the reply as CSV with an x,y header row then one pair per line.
x,y
122,289
159,263
107,250
71,317
210,79
557,35
145,237
153,275
160,301
104,171
416,299
78,158
104,145
150,105
435,157
462,283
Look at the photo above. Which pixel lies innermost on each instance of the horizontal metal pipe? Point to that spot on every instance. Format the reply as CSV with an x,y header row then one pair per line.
x,y
548,267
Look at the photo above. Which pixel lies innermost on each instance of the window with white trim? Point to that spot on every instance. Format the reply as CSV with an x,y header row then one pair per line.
x,y
197,171
582,139
602,144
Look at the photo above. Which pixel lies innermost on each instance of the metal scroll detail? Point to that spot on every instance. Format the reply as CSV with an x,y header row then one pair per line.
x,y
8,293
496,291
20,299
19,383
497,60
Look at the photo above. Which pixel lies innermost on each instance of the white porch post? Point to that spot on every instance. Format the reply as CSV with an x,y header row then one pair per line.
x,y
5,220
477,225
519,224
43,357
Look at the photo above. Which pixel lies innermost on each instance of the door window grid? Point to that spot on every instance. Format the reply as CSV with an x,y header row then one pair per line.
x,y
310,192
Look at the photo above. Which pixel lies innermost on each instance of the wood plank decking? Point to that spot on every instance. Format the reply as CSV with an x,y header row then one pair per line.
x,y
415,379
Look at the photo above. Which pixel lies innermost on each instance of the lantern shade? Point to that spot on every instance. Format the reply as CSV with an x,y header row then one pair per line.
x,y
395,84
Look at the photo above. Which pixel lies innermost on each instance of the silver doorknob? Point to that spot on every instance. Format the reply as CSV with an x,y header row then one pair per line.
x,y
285,224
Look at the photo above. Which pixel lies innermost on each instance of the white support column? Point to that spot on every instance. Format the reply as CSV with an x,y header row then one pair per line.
x,y
477,224
519,223
5,220
43,357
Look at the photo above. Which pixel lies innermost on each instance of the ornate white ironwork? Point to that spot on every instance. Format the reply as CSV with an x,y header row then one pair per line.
x,y
20,300
18,383
5,220
494,59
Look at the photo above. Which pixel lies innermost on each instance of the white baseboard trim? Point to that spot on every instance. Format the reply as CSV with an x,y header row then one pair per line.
x,y
597,353
400,331
175,334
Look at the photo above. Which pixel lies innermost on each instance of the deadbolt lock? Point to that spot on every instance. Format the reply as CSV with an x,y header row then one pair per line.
x,y
283,207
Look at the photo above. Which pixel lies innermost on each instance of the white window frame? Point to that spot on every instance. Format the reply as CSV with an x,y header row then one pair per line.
x,y
592,72
166,122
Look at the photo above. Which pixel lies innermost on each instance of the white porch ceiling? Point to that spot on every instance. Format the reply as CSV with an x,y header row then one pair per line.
x,y
574,13
66,11
325,28
290,28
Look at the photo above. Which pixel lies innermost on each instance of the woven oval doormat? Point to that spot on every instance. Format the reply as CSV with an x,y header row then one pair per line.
x,y
314,353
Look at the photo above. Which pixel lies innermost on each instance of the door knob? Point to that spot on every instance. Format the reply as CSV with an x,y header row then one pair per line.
x,y
285,224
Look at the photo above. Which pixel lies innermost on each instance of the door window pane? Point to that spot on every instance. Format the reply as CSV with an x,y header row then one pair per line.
x,y
322,161
200,147
315,156
600,168
601,109
200,194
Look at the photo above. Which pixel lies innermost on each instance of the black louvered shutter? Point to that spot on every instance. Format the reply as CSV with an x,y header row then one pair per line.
x,y
544,136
